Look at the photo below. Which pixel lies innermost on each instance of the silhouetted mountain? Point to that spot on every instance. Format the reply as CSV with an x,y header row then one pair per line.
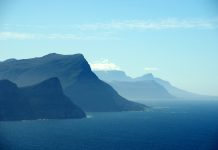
x,y
113,75
118,75
179,93
78,81
172,90
141,88
148,76
45,100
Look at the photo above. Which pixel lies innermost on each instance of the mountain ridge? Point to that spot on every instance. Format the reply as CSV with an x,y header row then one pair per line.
x,y
76,77
172,90
44,100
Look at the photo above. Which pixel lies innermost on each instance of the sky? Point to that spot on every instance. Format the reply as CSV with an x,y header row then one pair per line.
x,y
176,40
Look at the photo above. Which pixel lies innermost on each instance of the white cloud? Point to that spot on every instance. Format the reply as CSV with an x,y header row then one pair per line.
x,y
104,65
104,31
29,36
169,23
16,35
135,24
151,69
38,36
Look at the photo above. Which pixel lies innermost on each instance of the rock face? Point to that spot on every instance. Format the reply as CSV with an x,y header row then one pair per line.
x,y
78,81
45,100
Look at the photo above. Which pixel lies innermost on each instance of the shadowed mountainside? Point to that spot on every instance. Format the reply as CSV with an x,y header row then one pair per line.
x,y
78,81
44,100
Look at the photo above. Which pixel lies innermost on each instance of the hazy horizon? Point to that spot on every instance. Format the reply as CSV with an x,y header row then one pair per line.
x,y
174,40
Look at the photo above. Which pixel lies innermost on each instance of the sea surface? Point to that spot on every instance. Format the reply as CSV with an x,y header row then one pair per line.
x,y
167,125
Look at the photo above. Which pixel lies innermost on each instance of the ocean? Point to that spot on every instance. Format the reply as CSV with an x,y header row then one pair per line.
x,y
167,125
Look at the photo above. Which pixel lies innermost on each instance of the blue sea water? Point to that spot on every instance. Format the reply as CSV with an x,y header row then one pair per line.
x,y
172,125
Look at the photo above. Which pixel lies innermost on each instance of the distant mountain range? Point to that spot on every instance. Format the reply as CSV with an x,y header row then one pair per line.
x,y
145,87
79,83
141,90
44,100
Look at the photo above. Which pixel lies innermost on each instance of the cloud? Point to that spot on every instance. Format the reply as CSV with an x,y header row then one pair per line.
x,y
103,31
37,36
15,35
169,23
133,24
104,65
151,69
58,36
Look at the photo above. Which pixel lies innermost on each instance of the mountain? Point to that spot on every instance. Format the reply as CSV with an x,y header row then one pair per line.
x,y
44,100
172,90
141,88
113,75
79,83
118,75
177,92
145,77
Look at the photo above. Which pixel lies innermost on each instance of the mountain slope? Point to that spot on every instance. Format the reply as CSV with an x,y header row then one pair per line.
x,y
113,75
177,92
78,81
141,88
110,76
45,100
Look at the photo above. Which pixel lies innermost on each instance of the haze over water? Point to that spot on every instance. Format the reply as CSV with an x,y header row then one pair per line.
x,y
165,51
